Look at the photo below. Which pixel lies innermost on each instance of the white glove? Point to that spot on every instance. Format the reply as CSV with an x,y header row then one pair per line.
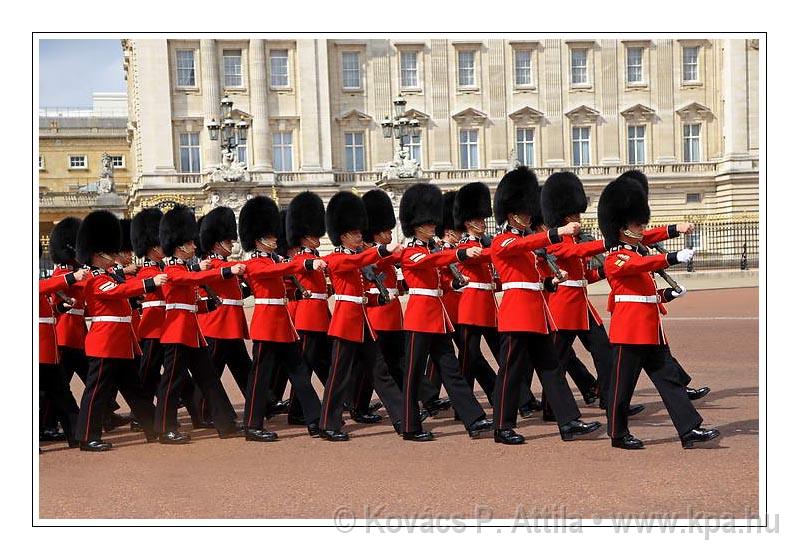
x,y
685,255
676,295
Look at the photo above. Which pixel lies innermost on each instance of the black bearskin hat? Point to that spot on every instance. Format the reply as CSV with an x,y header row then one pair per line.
x,y
562,196
518,192
448,200
62,240
623,202
178,226
125,225
144,231
99,233
421,204
346,212
380,213
259,218
305,216
472,201
282,244
218,225
639,177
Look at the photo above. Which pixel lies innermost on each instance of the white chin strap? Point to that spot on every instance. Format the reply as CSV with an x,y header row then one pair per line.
x,y
633,235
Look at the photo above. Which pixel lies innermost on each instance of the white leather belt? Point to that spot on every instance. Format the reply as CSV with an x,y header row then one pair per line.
x,y
393,291
479,286
75,312
535,286
154,303
271,301
47,320
574,283
424,292
236,302
316,295
109,319
351,299
636,299
182,307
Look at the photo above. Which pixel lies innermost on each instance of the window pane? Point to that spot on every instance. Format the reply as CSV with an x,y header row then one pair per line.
x,y
634,64
232,66
185,68
190,152
466,68
351,70
279,68
408,69
522,68
690,63
579,66
525,146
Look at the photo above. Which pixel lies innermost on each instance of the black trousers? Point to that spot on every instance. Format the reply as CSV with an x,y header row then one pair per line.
x,y
268,357
179,361
520,353
683,377
420,347
55,391
344,354
315,348
150,366
595,340
629,360
392,345
472,363
105,376
230,352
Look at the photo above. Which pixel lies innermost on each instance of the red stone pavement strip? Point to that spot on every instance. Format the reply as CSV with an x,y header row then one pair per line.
x,y
376,474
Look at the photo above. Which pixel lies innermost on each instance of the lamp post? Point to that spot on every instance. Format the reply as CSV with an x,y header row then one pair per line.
x,y
229,133
399,127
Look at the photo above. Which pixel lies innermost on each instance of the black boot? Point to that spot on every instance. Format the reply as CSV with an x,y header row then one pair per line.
x,y
96,445
174,438
695,394
418,436
479,426
253,434
508,437
698,435
627,442
577,428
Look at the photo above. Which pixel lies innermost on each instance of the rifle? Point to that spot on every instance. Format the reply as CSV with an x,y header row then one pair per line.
x,y
551,263
583,237
301,291
658,246
212,295
459,280
370,275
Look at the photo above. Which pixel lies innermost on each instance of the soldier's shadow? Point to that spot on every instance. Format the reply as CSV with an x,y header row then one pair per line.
x,y
732,429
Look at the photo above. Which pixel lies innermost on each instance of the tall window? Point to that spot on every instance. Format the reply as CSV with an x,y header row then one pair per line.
x,y
579,66
351,70
77,162
691,142
523,68
41,162
354,151
409,75
691,57
525,146
636,144
189,143
466,68
185,68
468,146
241,148
414,144
279,68
634,65
580,146
232,67
282,151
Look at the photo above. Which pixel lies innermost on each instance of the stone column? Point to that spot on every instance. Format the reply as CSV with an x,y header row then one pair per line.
x,y
155,106
259,137
209,85
315,122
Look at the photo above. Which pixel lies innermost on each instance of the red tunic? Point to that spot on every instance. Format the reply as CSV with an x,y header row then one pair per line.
x,y
349,318
629,274
569,304
477,305
312,314
71,326
387,317
522,310
227,321
107,298
450,297
48,346
425,313
153,310
180,324
271,321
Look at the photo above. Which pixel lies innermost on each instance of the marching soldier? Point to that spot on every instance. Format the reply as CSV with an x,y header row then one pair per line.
x,y
305,225
350,328
636,333
225,328
428,327
111,345
185,348
275,340
522,317
694,394
146,246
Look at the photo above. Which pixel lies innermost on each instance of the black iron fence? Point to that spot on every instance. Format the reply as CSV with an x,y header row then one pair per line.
x,y
729,244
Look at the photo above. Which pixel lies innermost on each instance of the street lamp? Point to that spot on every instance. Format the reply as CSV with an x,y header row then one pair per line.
x,y
232,132
401,127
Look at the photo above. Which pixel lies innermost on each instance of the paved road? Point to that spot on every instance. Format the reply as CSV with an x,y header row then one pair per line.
x,y
713,333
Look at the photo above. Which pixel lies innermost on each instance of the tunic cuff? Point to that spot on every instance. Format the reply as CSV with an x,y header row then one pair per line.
x,y
552,234
672,258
